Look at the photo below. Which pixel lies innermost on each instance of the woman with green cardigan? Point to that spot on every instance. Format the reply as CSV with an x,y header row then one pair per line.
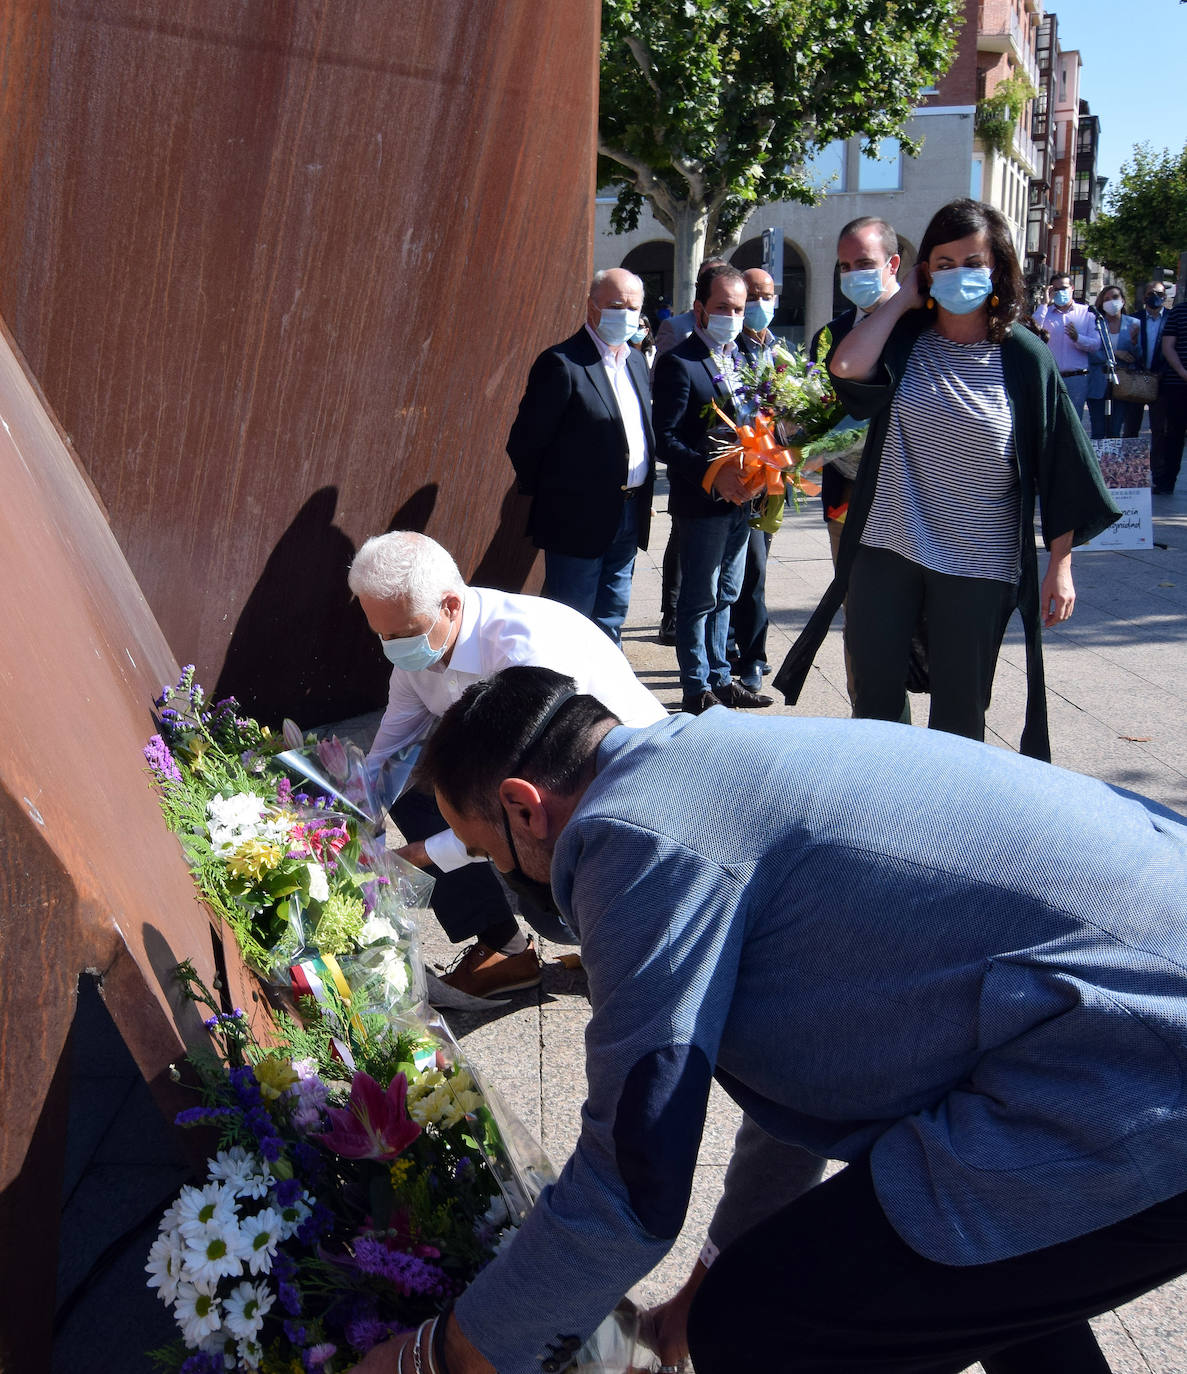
x,y
970,424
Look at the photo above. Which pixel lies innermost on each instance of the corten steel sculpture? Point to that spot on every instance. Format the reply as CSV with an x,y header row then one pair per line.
x,y
90,879
281,270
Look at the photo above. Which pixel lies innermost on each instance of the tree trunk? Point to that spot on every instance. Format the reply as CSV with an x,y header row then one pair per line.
x,y
689,226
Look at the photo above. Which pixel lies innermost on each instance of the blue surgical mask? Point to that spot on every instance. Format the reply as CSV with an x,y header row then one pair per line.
x,y
638,336
961,290
1062,297
414,653
863,288
723,329
759,315
615,327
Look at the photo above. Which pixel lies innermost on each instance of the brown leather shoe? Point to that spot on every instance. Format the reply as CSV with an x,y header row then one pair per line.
x,y
742,698
483,972
700,703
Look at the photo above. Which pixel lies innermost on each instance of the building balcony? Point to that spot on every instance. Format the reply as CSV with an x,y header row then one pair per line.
x,y
1081,209
1001,32
1028,153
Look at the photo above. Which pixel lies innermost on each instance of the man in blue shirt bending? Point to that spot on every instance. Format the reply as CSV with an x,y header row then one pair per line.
x,y
962,971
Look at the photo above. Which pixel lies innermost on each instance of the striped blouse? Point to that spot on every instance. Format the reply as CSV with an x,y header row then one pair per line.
x,y
947,495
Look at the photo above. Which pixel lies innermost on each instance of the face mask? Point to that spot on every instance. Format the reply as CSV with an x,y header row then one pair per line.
x,y
1112,307
722,329
1155,302
1062,297
414,653
758,315
862,288
961,290
615,327
538,906
638,336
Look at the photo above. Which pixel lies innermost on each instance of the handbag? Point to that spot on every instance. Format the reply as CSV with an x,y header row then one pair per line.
x,y
1135,384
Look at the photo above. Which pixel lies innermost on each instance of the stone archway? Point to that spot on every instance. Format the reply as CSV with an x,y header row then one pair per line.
x,y
790,316
654,262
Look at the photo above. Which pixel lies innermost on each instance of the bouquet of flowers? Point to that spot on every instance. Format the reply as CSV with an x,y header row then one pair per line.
x,y
296,875
796,393
342,1205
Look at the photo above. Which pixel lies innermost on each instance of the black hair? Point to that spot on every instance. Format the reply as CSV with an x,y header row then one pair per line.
x,y
490,733
710,275
957,220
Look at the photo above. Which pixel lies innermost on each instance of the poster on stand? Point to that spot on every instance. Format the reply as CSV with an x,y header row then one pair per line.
x,y
1125,466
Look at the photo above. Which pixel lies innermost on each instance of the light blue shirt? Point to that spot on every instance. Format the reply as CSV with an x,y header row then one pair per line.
x,y
968,964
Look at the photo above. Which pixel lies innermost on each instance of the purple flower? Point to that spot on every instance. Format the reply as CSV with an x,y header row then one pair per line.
x,y
316,1356
271,1147
295,1333
290,1298
287,1192
161,761
191,1115
202,1363
408,1274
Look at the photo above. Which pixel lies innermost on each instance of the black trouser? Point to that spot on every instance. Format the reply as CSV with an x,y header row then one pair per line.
x,y
1166,453
748,615
467,901
966,619
670,579
826,1286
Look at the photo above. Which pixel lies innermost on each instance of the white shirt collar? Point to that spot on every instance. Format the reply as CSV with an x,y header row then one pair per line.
x,y
616,357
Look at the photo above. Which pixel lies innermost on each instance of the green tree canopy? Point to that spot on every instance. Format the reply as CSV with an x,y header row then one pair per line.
x,y
1145,223
711,107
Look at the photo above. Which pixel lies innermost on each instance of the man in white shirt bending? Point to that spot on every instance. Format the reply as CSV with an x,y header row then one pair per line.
x,y
440,637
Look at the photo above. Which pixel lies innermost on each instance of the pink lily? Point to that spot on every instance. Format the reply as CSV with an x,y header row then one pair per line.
x,y
376,1125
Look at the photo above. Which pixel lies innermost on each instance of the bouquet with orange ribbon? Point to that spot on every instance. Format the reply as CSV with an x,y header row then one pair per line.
x,y
769,470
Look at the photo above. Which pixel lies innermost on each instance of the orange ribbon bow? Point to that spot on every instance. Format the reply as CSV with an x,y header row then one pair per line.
x,y
764,464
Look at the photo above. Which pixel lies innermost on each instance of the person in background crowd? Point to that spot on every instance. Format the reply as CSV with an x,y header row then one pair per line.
x,y
962,971
672,331
749,621
1071,336
583,449
1171,404
969,422
440,636
1123,331
713,529
868,262
642,340
1150,322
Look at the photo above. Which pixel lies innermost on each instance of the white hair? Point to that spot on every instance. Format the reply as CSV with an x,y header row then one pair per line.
x,y
407,567
600,276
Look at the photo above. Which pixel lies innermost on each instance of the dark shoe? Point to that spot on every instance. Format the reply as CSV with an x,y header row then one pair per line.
x,y
483,972
699,704
741,698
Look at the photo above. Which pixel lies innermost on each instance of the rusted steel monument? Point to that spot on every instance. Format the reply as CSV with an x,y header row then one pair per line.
x,y
278,270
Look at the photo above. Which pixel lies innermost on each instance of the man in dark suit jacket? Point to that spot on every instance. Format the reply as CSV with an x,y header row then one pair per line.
x,y
713,529
583,449
868,259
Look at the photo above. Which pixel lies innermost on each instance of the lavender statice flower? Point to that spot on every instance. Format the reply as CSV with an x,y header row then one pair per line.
x,y
203,1363
193,1116
408,1274
161,761
316,1356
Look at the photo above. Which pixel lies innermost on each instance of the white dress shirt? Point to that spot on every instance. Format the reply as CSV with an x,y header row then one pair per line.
x,y
1070,354
630,408
500,629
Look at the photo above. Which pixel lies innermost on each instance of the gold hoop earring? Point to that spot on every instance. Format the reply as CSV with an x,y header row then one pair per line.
x,y
931,304
993,300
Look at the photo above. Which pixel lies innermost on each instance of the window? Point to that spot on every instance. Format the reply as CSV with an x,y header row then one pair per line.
x,y
826,167
978,171
884,173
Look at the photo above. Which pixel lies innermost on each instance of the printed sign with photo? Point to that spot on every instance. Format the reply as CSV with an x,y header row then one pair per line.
x,y
1125,466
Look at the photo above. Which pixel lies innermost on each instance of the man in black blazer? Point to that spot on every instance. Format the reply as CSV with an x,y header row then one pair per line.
x,y
713,529
583,449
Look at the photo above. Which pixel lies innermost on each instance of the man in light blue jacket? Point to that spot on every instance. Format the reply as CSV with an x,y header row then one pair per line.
x,y
961,970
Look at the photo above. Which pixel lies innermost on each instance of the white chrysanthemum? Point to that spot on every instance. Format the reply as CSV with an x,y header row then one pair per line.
x,y
428,1110
164,1266
250,1353
231,820
239,1170
319,884
215,1254
244,1309
199,1208
197,1312
293,1215
259,1236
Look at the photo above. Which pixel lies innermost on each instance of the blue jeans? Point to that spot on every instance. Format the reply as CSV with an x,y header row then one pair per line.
x,y
1077,390
712,564
600,588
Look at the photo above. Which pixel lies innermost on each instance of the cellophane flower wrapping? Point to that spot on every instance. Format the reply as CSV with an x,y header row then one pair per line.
x,y
297,869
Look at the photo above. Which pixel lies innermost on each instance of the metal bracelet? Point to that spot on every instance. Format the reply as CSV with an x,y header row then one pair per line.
x,y
430,1346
